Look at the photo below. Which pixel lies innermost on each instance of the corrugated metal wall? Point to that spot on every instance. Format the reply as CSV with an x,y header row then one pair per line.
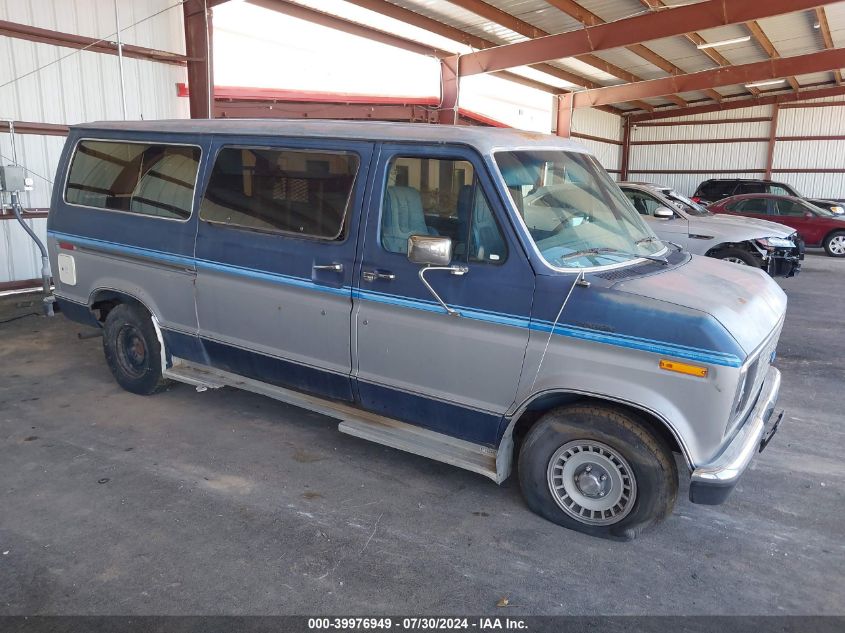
x,y
827,154
604,125
84,86
21,260
661,163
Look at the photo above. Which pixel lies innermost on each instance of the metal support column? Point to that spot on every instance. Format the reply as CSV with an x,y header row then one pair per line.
x,y
773,134
450,81
563,113
198,49
626,149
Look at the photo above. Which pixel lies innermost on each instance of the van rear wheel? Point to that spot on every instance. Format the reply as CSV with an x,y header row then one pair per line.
x,y
132,350
597,470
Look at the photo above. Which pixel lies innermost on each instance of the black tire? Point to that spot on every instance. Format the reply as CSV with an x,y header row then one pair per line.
x,y
832,244
644,456
132,350
737,254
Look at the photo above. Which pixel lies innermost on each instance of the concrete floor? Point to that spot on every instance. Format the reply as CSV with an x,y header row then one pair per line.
x,y
228,502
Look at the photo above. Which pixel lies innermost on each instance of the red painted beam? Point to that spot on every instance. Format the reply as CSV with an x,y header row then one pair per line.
x,y
198,32
450,85
93,44
635,30
773,136
746,73
754,119
626,150
597,139
784,98
322,110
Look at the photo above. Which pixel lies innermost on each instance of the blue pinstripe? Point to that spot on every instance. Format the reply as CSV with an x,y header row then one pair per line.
x,y
712,357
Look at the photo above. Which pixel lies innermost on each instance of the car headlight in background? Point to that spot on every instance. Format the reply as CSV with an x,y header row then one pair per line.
x,y
770,243
837,209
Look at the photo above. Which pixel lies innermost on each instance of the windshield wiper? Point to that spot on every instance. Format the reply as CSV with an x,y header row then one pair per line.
x,y
643,240
599,251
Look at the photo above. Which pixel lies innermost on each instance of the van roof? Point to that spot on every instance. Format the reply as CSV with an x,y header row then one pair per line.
x,y
485,139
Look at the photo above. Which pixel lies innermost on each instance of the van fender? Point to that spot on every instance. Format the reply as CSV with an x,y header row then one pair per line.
x,y
505,456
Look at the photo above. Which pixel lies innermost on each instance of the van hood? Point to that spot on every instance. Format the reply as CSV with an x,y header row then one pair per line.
x,y
744,300
737,228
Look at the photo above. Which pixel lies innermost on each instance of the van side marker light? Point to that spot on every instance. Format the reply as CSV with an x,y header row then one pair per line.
x,y
683,368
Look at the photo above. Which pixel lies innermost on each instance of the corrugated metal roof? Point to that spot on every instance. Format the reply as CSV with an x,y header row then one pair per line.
x,y
538,13
612,10
791,34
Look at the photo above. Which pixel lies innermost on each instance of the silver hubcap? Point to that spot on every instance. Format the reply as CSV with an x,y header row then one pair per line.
x,y
837,245
734,260
591,482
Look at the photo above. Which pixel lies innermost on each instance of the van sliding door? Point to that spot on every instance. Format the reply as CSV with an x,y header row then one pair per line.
x,y
275,252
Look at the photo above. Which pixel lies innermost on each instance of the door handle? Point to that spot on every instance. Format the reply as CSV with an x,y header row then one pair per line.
x,y
338,268
372,275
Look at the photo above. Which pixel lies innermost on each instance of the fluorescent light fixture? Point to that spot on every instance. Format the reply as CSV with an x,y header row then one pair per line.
x,y
736,40
769,82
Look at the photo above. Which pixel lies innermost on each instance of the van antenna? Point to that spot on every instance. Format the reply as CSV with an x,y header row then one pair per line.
x,y
579,281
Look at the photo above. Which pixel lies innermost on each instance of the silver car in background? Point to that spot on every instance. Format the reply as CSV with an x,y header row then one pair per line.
x,y
773,247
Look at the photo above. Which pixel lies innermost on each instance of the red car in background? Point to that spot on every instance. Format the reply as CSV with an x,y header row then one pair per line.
x,y
816,226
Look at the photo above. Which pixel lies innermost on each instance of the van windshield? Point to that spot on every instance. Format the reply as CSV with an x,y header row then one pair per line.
x,y
576,215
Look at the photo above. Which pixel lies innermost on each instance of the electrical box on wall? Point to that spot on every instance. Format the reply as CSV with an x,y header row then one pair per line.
x,y
13,178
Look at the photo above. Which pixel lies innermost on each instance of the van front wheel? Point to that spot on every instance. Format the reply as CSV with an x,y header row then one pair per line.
x,y
132,350
597,470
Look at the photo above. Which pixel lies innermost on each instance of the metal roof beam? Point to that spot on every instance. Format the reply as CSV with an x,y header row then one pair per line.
x,y
734,104
444,30
513,23
588,18
766,44
696,39
746,73
640,28
824,29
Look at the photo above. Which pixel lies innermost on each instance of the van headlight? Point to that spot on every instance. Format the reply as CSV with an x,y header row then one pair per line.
x,y
740,397
770,243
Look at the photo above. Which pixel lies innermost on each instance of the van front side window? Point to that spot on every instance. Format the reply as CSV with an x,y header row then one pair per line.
x,y
142,178
301,192
438,196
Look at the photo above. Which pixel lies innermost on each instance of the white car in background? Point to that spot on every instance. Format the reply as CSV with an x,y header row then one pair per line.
x,y
775,248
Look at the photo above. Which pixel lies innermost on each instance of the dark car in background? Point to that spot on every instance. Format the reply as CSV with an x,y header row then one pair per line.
x,y
816,226
717,189
836,207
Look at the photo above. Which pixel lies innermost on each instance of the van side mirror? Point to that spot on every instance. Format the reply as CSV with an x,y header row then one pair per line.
x,y
435,254
664,213
430,250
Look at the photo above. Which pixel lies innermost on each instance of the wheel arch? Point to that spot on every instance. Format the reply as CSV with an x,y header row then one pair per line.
x,y
830,233
745,245
103,300
539,404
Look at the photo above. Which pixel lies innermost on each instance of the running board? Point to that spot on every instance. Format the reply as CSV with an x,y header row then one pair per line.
x,y
353,421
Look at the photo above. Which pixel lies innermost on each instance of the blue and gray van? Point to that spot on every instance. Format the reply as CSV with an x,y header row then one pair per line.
x,y
403,279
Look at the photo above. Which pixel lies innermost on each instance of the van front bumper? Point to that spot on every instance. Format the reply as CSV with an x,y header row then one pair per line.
x,y
712,483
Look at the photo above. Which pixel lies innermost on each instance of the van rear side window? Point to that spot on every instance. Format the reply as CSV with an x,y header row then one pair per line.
x,y
142,178
281,190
